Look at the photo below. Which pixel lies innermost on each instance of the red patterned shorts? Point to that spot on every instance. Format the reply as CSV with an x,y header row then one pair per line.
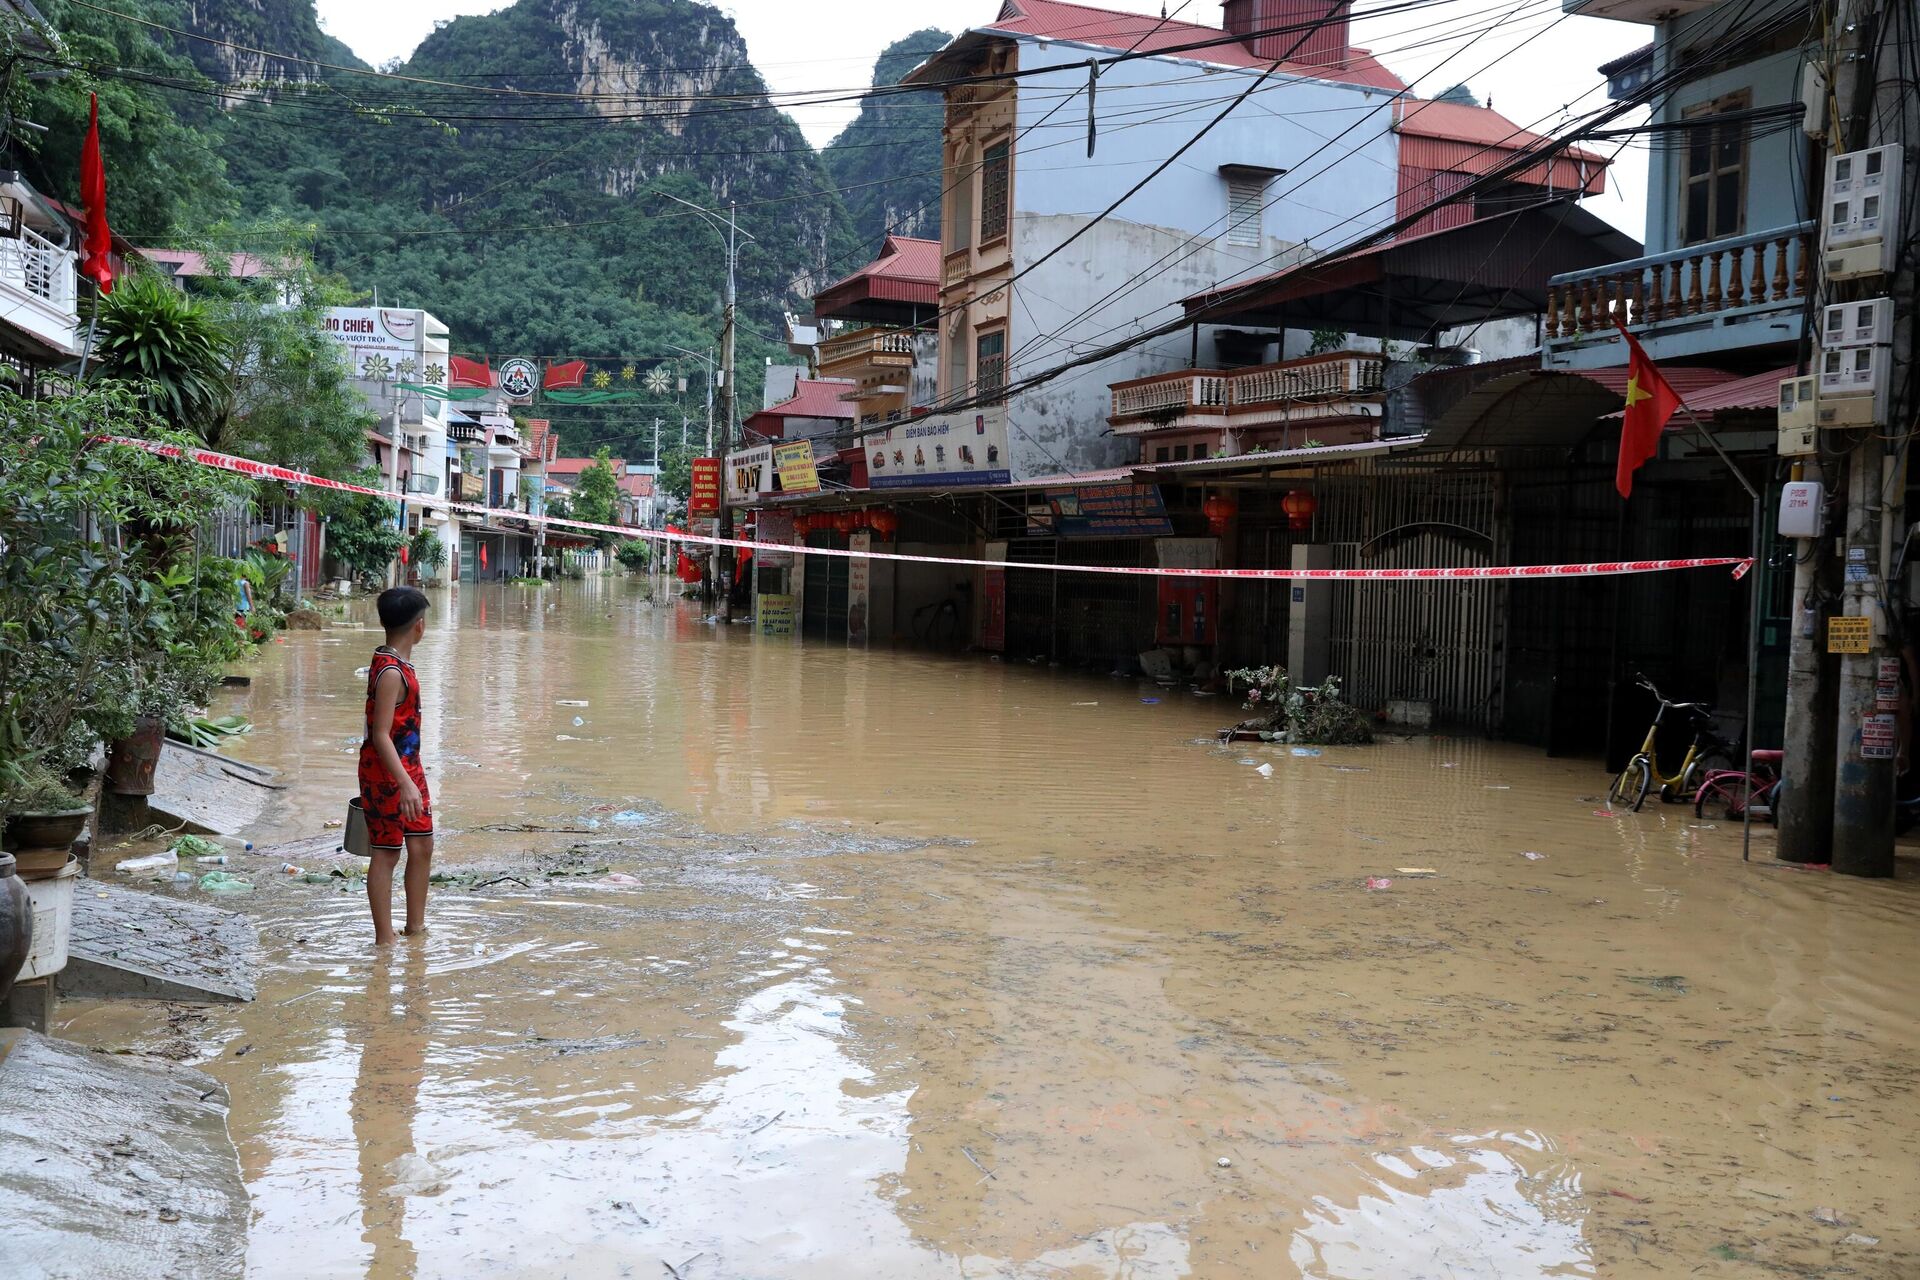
x,y
386,829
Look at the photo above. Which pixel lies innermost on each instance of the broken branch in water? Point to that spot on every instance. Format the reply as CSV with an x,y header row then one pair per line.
x,y
531,826
976,1164
765,1123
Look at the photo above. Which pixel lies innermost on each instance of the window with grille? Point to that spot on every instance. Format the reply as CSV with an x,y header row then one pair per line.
x,y
1713,183
1245,194
990,362
959,223
995,167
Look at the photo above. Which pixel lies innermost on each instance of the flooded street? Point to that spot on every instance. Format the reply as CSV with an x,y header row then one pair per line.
x,y
909,966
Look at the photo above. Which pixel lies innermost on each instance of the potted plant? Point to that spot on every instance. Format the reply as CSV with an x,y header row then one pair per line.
x,y
43,815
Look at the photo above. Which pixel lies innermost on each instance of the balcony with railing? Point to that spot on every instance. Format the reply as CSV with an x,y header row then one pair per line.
x,y
1313,388
38,281
878,360
1743,291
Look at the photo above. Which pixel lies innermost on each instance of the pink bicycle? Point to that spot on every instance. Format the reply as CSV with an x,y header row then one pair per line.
x,y
1730,791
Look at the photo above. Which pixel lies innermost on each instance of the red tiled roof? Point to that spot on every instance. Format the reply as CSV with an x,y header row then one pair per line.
x,y
1084,24
636,484
1753,392
574,466
814,398
907,270
193,263
543,442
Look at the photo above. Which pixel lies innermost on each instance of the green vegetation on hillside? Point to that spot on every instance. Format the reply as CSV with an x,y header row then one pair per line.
x,y
887,162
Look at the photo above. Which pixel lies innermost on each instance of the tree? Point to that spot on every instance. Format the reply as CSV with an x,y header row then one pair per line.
x,y
676,470
164,169
288,395
364,532
170,347
596,499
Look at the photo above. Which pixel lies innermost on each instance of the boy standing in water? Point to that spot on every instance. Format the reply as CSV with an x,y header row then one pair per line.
x,y
393,786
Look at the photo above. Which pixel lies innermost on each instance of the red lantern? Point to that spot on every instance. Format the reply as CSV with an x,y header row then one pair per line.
x,y
1220,510
1299,506
844,521
802,524
885,523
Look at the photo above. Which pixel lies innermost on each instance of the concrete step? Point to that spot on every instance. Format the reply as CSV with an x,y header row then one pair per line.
x,y
132,944
114,1168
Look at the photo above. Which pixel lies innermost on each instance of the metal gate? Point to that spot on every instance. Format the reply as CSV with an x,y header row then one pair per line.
x,y
1438,642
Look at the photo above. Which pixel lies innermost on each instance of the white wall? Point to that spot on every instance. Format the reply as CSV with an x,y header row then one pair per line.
x,y
1167,241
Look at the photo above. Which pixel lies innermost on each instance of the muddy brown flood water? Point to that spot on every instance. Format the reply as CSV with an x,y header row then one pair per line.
x,y
935,967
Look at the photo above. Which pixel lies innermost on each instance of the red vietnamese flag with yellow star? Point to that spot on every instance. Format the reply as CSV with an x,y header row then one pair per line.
x,y
1651,400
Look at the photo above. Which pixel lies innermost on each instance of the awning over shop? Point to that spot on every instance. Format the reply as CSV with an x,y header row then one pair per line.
x,y
1529,409
1416,286
1756,393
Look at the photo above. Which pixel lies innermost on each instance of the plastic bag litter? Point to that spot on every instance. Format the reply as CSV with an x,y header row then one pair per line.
x,y
1531,856
221,882
578,721
1265,771
571,702
1306,751
1379,882
152,862
629,818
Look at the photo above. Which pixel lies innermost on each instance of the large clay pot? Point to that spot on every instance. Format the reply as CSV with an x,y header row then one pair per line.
x,y
132,760
46,830
16,924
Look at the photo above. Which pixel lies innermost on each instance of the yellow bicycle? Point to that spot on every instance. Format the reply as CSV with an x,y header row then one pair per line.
x,y
1706,754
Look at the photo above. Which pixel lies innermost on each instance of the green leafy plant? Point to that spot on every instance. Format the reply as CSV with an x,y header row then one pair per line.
x,y
108,609
209,733
596,497
364,534
38,789
634,554
169,348
1299,713
426,554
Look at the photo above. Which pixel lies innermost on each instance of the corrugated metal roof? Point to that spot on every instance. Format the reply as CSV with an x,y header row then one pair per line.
x,y
1146,33
1690,381
1758,391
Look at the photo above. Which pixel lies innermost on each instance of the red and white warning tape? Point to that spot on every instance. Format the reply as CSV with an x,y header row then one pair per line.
x,y
1604,568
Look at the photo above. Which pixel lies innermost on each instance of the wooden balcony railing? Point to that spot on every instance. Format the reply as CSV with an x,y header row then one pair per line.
x,y
890,346
1737,273
1222,392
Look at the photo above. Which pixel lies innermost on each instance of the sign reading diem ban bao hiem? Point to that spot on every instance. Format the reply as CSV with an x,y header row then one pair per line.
x,y
704,500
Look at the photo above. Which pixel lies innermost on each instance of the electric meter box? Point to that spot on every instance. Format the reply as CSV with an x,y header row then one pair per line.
x,y
1863,204
1801,504
1857,324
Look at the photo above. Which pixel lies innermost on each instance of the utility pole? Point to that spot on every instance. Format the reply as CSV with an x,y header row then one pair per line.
x,y
1863,782
1805,810
723,580
721,569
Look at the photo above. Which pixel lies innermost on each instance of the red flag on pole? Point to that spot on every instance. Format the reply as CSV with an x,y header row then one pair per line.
x,y
1651,401
563,376
483,555
96,248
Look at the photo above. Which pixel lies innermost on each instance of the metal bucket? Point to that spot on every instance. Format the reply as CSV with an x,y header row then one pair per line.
x,y
354,839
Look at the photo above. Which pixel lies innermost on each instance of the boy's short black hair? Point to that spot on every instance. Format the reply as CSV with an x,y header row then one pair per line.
x,y
400,606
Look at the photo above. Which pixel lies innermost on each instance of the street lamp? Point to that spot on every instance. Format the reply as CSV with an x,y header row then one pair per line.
x,y
722,559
